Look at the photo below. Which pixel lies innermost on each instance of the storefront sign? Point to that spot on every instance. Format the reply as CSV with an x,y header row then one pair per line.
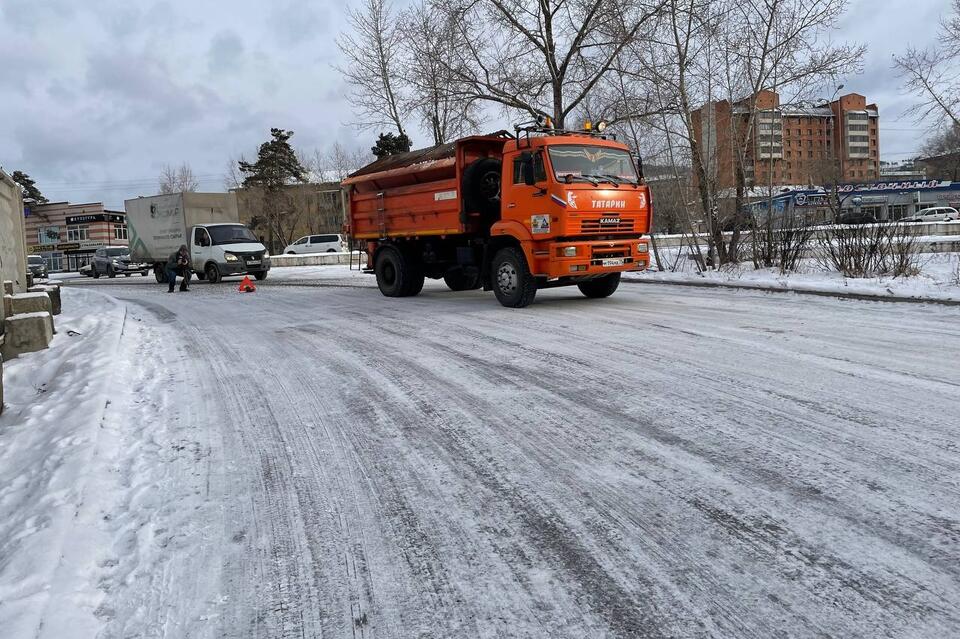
x,y
47,248
895,186
92,244
95,217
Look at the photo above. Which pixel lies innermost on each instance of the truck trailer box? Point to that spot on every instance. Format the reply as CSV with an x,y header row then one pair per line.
x,y
159,224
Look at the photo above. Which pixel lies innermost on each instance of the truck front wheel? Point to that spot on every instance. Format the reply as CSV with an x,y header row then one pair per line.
x,y
212,273
512,282
600,287
159,274
397,275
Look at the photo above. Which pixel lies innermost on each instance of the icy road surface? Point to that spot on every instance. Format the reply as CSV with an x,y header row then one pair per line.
x,y
315,460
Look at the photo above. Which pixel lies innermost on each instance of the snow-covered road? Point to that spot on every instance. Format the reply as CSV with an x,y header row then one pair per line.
x,y
315,460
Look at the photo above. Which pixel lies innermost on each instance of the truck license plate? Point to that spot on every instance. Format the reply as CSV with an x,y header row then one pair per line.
x,y
253,261
613,261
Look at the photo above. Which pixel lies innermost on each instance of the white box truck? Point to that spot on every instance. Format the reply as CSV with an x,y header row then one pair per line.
x,y
208,223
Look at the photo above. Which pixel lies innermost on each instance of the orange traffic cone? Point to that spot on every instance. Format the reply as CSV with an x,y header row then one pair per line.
x,y
246,286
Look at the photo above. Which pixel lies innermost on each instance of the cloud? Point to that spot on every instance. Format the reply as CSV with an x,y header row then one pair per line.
x,y
295,23
31,15
145,89
225,53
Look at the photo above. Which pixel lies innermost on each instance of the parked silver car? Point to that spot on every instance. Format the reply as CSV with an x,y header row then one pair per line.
x,y
37,266
115,260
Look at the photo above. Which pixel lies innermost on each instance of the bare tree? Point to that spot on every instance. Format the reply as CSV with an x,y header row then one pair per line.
x,y
177,180
543,58
931,74
942,153
336,163
373,54
431,42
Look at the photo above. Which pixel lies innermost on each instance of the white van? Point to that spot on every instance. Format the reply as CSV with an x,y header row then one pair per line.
x,y
330,243
934,214
218,250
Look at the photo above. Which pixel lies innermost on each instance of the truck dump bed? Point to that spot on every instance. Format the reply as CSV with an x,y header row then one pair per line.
x,y
416,193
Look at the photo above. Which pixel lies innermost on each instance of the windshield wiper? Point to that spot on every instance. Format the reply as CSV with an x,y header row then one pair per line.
x,y
589,178
604,178
634,183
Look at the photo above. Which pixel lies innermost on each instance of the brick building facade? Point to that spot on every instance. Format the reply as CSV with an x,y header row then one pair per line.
x,y
791,144
67,235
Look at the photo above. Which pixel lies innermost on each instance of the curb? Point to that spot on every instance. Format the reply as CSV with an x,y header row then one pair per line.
x,y
868,297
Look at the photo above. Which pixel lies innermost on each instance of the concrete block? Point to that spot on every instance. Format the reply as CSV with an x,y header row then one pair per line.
x,y
31,303
8,287
7,305
26,333
1,376
52,291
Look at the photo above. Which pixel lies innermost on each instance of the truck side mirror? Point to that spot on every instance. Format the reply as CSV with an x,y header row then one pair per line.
x,y
640,167
526,168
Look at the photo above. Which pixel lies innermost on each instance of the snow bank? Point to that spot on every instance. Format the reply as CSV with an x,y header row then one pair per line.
x,y
48,434
936,280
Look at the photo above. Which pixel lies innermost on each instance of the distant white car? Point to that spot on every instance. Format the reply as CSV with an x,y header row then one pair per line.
x,y
330,243
934,214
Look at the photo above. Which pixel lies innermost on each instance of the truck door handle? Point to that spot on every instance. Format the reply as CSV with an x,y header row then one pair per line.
x,y
512,205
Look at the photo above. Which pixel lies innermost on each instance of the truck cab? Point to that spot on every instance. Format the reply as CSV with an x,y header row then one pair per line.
x,y
577,205
219,250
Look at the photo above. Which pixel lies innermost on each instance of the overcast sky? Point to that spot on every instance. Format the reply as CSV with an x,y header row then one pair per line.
x,y
98,95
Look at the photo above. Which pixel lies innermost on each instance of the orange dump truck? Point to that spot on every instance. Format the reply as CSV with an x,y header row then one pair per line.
x,y
509,213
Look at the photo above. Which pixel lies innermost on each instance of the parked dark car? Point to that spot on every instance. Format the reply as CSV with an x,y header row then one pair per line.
x,y
37,266
115,260
857,218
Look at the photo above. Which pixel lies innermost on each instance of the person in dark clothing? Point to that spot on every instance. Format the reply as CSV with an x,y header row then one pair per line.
x,y
179,264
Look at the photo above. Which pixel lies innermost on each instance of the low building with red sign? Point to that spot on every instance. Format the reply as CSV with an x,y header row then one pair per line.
x,y
67,235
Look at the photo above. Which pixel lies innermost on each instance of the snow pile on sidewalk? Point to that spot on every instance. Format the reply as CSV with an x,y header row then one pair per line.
x,y
937,280
100,477
48,433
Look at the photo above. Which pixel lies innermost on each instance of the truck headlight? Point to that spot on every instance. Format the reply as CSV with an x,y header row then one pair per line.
x,y
230,257
642,247
569,251
266,254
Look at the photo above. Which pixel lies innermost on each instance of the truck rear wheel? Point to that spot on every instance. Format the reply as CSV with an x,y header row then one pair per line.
x,y
460,279
159,274
397,274
513,284
600,287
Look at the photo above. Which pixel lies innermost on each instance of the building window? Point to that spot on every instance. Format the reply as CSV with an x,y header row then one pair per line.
x,y
119,231
78,233
48,235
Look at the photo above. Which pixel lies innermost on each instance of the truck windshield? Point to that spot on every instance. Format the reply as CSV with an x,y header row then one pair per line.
x,y
231,234
591,163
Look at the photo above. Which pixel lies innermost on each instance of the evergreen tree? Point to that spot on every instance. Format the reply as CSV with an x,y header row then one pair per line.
x,y
390,144
29,188
277,166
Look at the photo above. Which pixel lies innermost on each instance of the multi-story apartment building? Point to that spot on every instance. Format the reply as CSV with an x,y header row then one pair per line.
x,y
790,144
67,235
